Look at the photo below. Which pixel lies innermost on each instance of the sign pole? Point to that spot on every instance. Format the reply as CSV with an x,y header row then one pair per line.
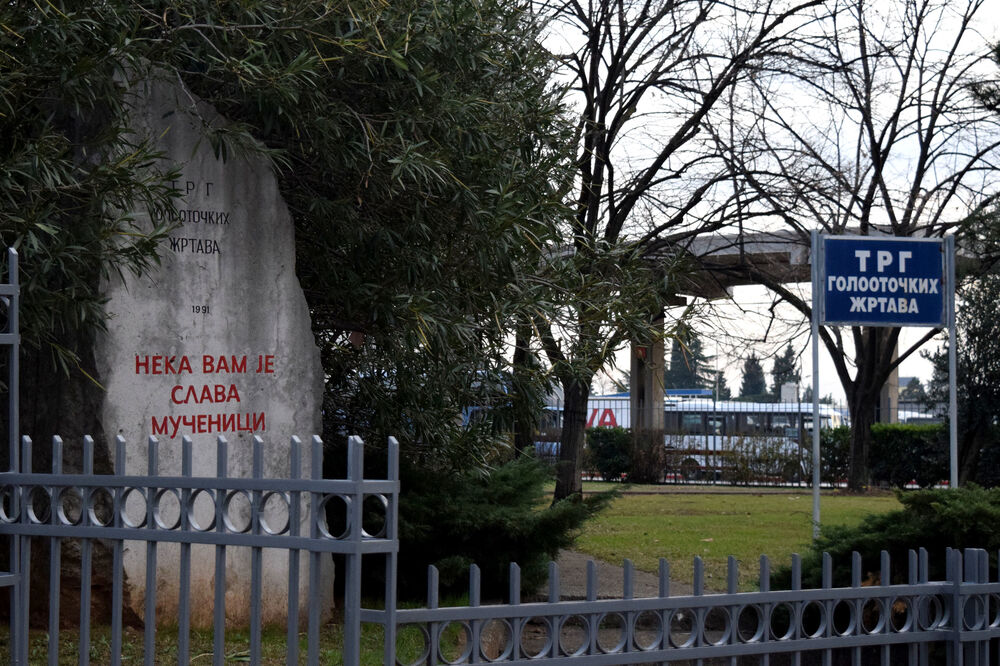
x,y
949,258
816,298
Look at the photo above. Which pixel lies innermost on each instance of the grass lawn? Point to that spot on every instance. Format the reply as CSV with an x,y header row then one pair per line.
x,y
237,646
739,522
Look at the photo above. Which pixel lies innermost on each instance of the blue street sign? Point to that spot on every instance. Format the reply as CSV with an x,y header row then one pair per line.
x,y
883,281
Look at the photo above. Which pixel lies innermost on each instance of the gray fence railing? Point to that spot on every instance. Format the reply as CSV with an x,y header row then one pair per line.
x,y
88,508
874,619
916,622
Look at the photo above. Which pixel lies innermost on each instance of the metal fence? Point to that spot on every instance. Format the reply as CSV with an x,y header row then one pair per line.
x,y
874,619
916,622
153,510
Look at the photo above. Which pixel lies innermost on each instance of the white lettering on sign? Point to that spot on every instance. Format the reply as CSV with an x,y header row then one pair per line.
x,y
883,259
862,256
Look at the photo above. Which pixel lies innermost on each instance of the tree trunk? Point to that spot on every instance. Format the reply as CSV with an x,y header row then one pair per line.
x,y
524,425
576,393
969,449
862,418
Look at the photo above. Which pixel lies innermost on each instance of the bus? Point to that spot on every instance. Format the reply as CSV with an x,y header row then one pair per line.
x,y
708,439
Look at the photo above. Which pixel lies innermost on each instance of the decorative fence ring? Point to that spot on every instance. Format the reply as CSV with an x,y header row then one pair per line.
x,y
123,507
508,646
190,508
283,497
92,505
319,516
425,652
227,518
385,507
158,514
619,645
466,652
9,504
35,515
58,500
759,625
638,630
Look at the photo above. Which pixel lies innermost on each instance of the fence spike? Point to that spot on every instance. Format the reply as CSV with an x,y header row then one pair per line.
x,y
765,574
628,584
355,458
432,586
88,454
152,458
912,572
699,576
591,580
884,574
515,584
26,454
393,459
221,458
553,582
57,454
796,571
855,569
923,565
257,463
186,447
827,571
316,461
475,585
664,571
119,455
732,576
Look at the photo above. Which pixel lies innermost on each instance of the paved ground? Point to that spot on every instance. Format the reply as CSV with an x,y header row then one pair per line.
x,y
610,577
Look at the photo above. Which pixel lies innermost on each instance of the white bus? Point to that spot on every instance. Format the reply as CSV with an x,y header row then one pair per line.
x,y
705,437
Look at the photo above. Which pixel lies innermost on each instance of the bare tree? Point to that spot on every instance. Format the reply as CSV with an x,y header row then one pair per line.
x,y
868,126
644,76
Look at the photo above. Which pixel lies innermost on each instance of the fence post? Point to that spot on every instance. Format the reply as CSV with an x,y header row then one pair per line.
x,y
391,558
352,560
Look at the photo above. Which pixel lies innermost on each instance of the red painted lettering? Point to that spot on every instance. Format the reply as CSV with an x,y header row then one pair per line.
x,y
221,363
162,365
607,418
159,427
265,364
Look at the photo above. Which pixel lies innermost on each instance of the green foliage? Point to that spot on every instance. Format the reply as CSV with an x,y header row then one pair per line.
x,y
977,379
720,387
834,452
751,459
913,391
454,518
965,517
70,171
609,451
621,454
903,453
688,363
754,385
785,371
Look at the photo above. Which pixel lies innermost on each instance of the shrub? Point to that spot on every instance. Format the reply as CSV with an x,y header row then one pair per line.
x,y
452,519
759,458
904,453
610,452
834,453
965,517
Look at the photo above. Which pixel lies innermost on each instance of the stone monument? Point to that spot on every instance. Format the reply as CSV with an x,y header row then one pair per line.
x,y
215,341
